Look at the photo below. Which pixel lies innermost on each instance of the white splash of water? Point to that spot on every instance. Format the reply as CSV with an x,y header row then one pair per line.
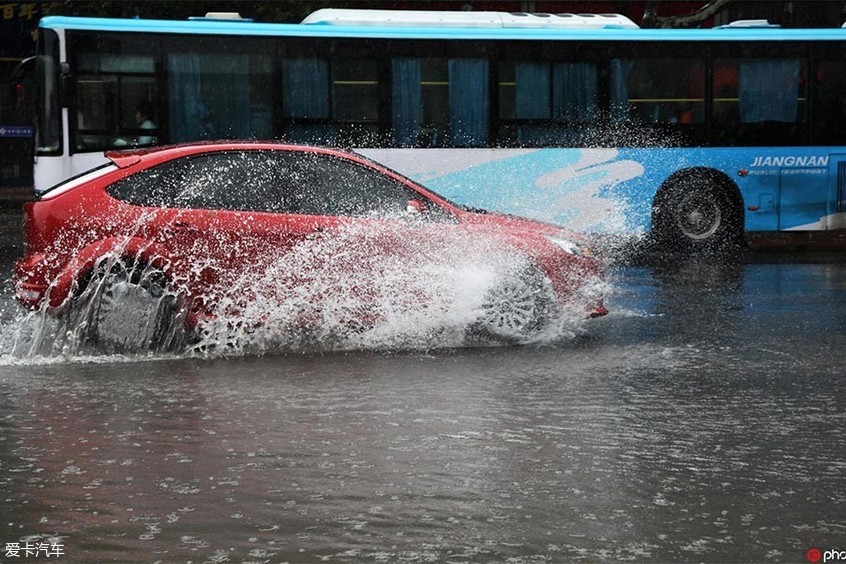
x,y
341,292
374,285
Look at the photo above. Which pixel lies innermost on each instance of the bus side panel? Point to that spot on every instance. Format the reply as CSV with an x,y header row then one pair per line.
x,y
568,187
758,192
797,179
609,190
780,188
55,170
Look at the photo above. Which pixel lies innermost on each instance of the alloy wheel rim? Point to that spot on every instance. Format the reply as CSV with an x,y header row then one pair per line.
x,y
511,308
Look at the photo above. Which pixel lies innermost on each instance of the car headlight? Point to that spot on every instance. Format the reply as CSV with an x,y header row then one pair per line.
x,y
570,247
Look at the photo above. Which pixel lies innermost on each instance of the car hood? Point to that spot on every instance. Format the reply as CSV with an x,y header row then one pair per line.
x,y
494,221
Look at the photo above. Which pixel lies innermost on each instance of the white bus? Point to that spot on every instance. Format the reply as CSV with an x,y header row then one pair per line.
x,y
583,120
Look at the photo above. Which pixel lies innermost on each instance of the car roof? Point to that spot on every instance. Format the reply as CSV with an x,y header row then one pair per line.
x,y
127,157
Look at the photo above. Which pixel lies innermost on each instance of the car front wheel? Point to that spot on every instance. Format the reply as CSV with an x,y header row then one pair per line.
x,y
517,308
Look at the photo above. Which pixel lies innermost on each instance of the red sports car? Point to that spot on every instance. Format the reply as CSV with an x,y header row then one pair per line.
x,y
145,249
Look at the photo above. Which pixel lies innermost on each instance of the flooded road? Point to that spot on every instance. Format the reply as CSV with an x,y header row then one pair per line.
x,y
702,420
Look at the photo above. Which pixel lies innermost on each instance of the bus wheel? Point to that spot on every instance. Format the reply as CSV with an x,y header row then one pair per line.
x,y
128,306
698,213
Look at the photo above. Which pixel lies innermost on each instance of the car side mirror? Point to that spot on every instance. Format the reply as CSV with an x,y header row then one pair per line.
x,y
415,207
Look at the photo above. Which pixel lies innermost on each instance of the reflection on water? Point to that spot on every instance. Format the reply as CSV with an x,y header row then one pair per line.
x,y
701,421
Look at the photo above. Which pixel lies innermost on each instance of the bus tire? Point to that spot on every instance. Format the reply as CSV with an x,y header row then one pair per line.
x,y
698,211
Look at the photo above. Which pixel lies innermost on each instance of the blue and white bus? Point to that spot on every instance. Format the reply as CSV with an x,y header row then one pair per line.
x,y
587,121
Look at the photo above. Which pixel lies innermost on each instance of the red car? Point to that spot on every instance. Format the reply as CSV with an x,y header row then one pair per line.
x,y
147,248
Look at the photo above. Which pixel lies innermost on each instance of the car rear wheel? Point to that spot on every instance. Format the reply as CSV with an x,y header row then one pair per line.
x,y
518,308
129,307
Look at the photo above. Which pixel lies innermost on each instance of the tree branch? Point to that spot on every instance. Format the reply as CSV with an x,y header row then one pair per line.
x,y
650,14
693,18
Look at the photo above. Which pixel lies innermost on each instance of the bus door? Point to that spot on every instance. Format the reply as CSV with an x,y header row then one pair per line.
x,y
761,197
837,191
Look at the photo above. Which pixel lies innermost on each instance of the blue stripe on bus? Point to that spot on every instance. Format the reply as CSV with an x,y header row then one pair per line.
x,y
240,28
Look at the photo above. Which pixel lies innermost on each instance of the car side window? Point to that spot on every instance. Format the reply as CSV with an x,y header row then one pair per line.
x,y
248,181
153,187
270,181
335,186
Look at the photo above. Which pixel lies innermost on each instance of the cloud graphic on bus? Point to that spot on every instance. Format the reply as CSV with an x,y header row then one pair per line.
x,y
571,187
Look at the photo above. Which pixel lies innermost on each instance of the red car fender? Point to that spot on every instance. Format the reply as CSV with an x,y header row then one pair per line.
x,y
86,259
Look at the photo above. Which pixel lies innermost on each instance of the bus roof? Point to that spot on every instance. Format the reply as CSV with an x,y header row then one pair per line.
x,y
444,19
429,31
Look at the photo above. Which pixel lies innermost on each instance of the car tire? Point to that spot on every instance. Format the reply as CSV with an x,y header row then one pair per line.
x,y
518,308
127,306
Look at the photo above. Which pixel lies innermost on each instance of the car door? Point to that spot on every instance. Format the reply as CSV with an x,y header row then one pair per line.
x,y
170,205
233,216
364,236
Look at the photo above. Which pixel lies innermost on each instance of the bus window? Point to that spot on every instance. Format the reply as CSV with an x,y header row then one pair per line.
x,y
305,100
96,111
829,121
724,112
440,102
106,110
659,91
546,103
355,95
216,95
468,102
405,101
434,103
260,105
111,82
753,99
